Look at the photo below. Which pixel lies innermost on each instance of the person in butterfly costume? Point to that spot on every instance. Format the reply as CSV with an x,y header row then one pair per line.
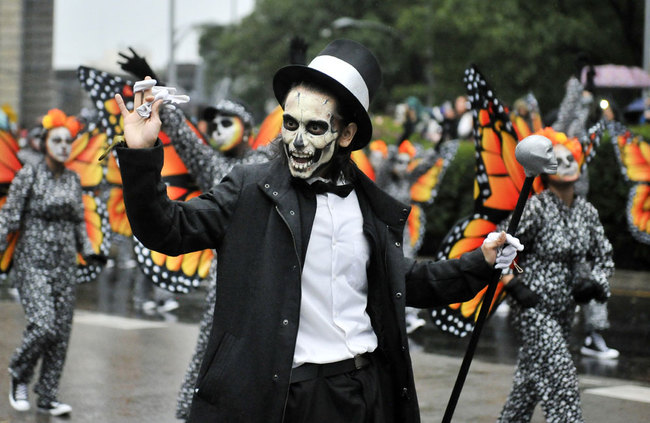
x,y
229,128
309,317
572,120
567,260
45,204
395,176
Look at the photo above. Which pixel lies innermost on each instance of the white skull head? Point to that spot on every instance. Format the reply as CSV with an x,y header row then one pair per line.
x,y
567,166
309,131
59,144
535,153
225,131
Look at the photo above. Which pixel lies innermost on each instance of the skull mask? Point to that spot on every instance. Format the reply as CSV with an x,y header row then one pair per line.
x,y
308,131
59,144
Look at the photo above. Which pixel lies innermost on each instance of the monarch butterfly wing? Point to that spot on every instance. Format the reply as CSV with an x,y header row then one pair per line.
x,y
467,234
425,188
179,274
102,87
97,227
497,184
499,176
84,158
9,165
633,154
269,129
360,158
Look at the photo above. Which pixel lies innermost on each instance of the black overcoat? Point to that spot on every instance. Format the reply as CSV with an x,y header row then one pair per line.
x,y
255,221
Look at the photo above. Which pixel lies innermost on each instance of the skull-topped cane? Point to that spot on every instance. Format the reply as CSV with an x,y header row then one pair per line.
x,y
535,154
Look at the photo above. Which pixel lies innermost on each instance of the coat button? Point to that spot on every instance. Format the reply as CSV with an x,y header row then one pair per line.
x,y
397,244
398,295
267,186
285,322
403,347
405,392
276,377
275,193
196,390
291,212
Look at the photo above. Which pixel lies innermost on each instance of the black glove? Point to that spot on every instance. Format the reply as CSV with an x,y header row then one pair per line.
x,y
586,290
96,260
137,66
298,51
522,294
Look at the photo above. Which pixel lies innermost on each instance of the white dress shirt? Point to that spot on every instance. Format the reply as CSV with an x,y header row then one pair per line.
x,y
334,324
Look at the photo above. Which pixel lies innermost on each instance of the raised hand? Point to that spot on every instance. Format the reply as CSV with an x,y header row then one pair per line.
x,y
140,132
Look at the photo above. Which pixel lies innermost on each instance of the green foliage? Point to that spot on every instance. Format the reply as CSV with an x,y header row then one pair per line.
x,y
424,46
455,198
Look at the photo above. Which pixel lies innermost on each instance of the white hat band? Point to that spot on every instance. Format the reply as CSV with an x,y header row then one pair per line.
x,y
346,74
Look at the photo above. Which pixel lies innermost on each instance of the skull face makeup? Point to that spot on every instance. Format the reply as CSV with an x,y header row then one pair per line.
x,y
59,144
309,131
567,166
225,132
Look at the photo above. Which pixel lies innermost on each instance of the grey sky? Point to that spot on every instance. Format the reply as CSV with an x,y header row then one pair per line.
x,y
91,32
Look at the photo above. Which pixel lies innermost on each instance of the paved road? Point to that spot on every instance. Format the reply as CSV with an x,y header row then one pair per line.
x,y
128,369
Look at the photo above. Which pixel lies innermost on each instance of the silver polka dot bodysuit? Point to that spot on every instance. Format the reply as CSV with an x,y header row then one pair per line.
x,y
207,167
48,213
555,237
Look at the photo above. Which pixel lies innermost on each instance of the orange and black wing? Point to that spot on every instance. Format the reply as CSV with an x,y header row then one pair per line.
x,y
633,153
177,274
9,165
269,129
97,227
466,235
498,181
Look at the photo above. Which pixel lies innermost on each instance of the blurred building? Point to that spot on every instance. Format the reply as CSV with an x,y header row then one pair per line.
x,y
26,75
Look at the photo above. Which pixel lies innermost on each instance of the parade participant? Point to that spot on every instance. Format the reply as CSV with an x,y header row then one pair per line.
x,y
45,204
572,120
309,318
396,178
567,259
229,126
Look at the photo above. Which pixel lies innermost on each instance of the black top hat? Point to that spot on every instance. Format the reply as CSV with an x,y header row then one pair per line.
x,y
349,71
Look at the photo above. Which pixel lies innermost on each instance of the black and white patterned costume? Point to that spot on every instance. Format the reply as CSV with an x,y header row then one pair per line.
x,y
48,213
556,238
207,167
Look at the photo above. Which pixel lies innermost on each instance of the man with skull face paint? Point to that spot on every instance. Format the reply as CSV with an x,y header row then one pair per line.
x,y
309,318
567,259
45,204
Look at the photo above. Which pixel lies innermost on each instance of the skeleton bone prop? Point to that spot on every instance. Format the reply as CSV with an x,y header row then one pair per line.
x,y
535,154
166,94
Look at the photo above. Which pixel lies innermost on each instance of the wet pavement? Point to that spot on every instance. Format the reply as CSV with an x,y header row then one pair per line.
x,y
126,366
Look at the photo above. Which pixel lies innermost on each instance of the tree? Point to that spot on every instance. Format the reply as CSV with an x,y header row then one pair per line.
x,y
519,45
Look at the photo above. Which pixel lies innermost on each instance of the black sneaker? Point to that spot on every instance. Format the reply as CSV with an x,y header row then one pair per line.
x,y
18,396
54,408
595,346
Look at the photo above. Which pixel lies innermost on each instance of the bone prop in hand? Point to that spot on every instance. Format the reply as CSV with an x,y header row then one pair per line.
x,y
166,94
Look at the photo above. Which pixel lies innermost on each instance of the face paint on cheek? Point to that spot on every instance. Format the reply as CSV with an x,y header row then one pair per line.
x,y
567,167
308,131
226,132
58,144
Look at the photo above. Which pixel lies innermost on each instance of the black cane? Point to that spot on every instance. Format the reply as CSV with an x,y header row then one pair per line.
x,y
535,154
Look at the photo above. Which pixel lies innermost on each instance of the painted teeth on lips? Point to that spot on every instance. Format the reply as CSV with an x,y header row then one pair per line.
x,y
301,160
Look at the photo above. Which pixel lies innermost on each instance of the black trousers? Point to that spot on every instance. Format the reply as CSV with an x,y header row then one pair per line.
x,y
353,397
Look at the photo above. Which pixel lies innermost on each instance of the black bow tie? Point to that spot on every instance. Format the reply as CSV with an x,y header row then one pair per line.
x,y
321,187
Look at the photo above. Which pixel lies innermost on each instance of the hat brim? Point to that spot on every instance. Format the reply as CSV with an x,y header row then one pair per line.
x,y
288,76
